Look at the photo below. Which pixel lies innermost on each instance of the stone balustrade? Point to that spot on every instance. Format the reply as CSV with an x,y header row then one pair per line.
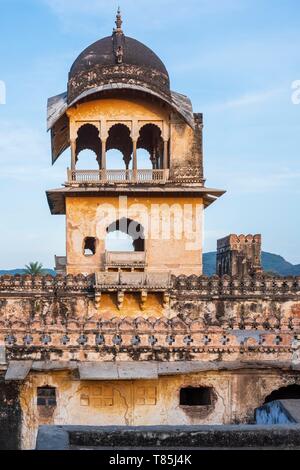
x,y
128,259
99,177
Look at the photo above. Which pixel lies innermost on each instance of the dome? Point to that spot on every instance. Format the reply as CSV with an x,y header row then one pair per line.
x,y
102,53
118,60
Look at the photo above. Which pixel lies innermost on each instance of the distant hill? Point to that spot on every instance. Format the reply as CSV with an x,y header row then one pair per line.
x,y
12,272
270,262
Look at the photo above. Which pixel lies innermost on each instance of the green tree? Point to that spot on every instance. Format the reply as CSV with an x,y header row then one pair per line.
x,y
34,268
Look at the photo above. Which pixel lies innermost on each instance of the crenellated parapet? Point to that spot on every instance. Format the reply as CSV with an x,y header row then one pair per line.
x,y
185,317
257,285
239,255
28,283
236,286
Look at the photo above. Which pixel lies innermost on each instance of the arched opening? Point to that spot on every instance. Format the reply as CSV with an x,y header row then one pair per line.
x,y
144,160
150,140
119,139
88,144
290,392
87,160
118,241
89,246
125,235
115,160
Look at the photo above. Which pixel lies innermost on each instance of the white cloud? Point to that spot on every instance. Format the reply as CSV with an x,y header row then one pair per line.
x,y
248,99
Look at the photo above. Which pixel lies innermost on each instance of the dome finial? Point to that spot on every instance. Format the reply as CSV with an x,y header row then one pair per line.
x,y
119,21
118,37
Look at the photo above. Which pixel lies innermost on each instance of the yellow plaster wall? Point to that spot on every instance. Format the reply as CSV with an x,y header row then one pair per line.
x,y
106,111
135,113
100,403
144,402
84,218
181,144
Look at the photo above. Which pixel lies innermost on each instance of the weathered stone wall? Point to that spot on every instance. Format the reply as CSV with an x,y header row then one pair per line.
x,y
242,336
204,318
146,402
178,250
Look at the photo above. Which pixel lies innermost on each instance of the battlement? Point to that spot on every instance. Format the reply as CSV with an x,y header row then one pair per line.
x,y
261,284
237,242
239,255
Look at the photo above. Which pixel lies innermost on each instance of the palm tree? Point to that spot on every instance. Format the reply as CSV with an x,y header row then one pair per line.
x,y
34,268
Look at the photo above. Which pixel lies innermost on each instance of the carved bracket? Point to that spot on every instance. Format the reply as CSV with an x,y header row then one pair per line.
x,y
144,296
166,300
120,299
97,300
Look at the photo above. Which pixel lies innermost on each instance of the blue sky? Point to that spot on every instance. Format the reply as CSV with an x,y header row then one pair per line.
x,y
236,59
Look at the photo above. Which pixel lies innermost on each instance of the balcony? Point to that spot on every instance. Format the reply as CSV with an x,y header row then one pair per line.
x,y
130,260
99,177
134,280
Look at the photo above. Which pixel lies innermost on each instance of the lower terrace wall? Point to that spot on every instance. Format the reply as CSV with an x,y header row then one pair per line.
x,y
146,402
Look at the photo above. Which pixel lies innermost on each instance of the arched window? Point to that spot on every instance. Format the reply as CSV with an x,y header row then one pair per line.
x,y
87,160
144,160
284,393
118,139
125,235
88,145
89,246
150,140
115,160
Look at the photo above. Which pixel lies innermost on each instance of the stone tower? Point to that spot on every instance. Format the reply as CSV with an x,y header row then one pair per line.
x,y
119,98
239,255
137,337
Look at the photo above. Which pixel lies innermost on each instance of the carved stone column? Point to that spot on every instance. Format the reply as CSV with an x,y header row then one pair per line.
x,y
73,155
134,160
103,154
165,156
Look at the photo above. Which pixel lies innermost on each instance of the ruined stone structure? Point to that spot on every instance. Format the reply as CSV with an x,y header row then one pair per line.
x,y
239,256
139,337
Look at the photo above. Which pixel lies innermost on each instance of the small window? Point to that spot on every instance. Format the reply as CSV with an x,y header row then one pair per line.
x,y
196,396
89,248
46,396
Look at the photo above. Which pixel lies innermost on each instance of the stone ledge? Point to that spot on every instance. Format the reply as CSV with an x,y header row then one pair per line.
x,y
135,370
192,437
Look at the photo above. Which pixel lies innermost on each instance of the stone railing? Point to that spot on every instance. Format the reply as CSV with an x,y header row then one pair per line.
x,y
117,176
125,259
138,280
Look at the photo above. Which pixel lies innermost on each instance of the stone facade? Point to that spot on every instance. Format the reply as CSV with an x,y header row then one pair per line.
x,y
240,337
